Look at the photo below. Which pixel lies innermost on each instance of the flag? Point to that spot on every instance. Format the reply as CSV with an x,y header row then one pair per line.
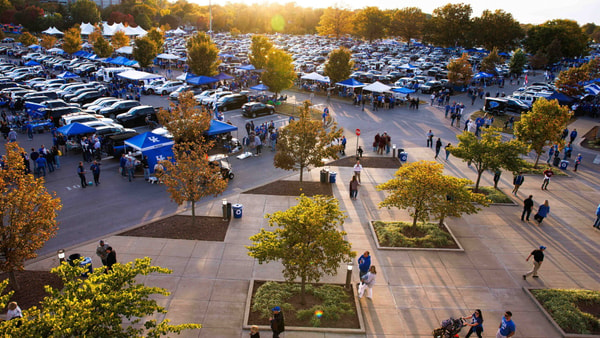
x,y
526,81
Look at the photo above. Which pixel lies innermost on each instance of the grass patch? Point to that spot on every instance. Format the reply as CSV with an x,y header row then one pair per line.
x,y
542,165
494,195
499,121
291,109
405,235
575,311
335,303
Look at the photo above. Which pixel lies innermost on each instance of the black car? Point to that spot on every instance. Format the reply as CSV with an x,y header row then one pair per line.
x,y
87,97
56,113
431,87
53,104
498,106
233,101
136,116
253,109
119,107
114,144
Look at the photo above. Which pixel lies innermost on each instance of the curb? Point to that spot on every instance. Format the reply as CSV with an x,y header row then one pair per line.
x,y
379,247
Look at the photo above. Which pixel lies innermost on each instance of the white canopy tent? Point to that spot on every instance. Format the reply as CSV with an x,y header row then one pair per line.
x,y
52,31
87,28
167,56
177,31
315,77
377,87
125,50
136,75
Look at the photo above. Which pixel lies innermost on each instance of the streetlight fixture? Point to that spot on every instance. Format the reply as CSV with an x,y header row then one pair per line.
x,y
349,274
61,255
225,215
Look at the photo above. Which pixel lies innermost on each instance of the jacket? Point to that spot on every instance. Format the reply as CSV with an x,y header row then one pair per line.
x,y
543,210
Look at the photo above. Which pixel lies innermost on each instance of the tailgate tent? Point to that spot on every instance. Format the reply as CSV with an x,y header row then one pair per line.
x,y
377,87
218,127
351,83
135,75
75,129
200,80
156,147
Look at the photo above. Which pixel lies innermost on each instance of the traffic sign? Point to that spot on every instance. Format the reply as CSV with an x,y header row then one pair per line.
x,y
357,132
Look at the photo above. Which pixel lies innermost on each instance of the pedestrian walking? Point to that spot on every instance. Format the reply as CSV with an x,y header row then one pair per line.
x,y
542,213
368,281
353,188
438,147
254,332
364,264
578,161
81,174
538,258
95,169
101,251
497,174
527,206
573,135
130,168
146,167
476,324
518,181
357,169
277,322
597,222
507,327
447,149
548,173
111,258
430,139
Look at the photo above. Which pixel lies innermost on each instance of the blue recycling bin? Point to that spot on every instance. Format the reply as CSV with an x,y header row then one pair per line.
x,y
564,164
332,176
403,156
237,210
85,261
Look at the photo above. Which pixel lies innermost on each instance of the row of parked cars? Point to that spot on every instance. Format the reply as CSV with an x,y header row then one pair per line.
x,y
520,101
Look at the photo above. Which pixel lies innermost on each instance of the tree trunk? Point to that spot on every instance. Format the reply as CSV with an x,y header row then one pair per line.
x,y
537,158
13,280
441,223
301,172
302,291
477,182
415,220
193,212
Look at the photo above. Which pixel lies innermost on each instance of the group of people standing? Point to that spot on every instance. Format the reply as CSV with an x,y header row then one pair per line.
x,y
382,143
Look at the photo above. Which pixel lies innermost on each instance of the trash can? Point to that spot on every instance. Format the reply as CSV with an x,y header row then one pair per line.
x,y
227,211
237,210
400,151
564,164
403,156
332,176
556,161
324,176
86,261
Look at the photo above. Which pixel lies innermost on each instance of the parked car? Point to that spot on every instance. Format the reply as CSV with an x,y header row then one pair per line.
x,y
119,107
136,116
168,87
233,101
498,106
87,97
53,104
253,109
175,95
151,87
431,87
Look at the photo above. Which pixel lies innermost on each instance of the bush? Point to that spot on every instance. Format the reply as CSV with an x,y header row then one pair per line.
x,y
563,306
529,169
405,235
495,195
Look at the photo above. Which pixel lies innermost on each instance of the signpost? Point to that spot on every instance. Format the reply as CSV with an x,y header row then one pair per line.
x,y
357,137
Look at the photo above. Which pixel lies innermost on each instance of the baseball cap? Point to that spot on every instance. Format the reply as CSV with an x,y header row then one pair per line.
x,y
542,247
277,308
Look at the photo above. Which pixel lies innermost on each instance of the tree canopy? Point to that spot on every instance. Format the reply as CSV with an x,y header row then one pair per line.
x,y
571,81
460,71
72,40
103,49
339,65
489,63
370,23
556,39
408,23
119,39
203,55
27,39
497,29
279,71
517,62
144,51
184,121
85,11
260,48
335,21
449,25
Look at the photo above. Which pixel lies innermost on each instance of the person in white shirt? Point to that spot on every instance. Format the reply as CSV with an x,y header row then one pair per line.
x,y
14,311
357,169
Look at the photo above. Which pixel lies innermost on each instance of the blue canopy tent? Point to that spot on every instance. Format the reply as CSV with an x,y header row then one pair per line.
x,y
156,147
247,67
67,75
260,87
352,83
223,76
562,99
403,90
200,80
32,63
482,75
75,129
218,127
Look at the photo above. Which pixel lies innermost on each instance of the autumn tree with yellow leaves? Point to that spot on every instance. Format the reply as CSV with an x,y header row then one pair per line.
x,y
119,39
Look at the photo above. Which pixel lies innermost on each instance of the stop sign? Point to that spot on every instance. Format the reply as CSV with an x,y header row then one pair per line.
x,y
357,132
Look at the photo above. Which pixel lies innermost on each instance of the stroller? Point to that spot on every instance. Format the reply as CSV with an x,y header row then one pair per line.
x,y
450,328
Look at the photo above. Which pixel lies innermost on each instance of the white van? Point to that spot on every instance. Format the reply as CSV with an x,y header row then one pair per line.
x,y
107,74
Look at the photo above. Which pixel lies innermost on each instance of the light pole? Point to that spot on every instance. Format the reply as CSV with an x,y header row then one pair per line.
x,y
61,255
349,275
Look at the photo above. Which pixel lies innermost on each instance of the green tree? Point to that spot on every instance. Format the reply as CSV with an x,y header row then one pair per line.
x,y
27,39
335,21
307,240
48,41
489,152
371,23
339,66
569,37
27,213
143,20
144,51
497,29
102,47
72,40
119,39
184,121
157,37
456,199
2,36
203,55
489,63
279,71
408,23
449,25
101,305
260,48
571,81
460,71
305,142
517,62
542,125
85,11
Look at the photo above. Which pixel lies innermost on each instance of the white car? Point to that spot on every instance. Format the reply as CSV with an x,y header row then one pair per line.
x,y
169,87
84,118
103,104
205,94
215,97
150,88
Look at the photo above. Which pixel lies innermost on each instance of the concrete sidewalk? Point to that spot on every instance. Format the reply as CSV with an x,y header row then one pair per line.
x,y
415,290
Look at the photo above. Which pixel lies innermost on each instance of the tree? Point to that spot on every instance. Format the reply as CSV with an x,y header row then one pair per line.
x,y
571,81
307,240
85,11
422,188
203,55
2,36
488,64
570,38
517,62
96,34
542,125
30,17
371,23
27,39
460,71
449,25
261,47
339,66
143,20
185,122
72,40
279,71
48,41
305,142
119,39
497,29
27,213
335,21
157,37
102,47
489,152
191,176
408,23
101,305
144,51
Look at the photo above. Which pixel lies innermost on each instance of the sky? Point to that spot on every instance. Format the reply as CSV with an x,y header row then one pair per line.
x,y
524,11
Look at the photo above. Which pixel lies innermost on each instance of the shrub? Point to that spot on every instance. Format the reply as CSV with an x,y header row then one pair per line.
x,y
563,306
495,195
404,234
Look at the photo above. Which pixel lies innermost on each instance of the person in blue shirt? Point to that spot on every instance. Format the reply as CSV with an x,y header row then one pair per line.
x,y
476,324
597,222
507,326
364,263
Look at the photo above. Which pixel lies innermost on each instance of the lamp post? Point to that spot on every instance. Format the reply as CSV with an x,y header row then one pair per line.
x,y
225,215
349,275
61,255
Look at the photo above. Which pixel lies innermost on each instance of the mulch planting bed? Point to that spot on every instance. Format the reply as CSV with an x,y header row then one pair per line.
x,y
293,188
206,228
368,162
348,321
32,285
